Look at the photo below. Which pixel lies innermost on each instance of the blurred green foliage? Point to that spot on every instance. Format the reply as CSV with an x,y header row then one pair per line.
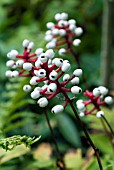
x,y
19,115
12,142
27,19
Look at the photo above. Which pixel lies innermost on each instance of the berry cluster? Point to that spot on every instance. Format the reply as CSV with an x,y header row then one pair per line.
x,y
52,80
97,98
22,64
62,35
46,72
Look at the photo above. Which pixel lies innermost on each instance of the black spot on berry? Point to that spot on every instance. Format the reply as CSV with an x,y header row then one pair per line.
x,y
80,90
53,76
41,72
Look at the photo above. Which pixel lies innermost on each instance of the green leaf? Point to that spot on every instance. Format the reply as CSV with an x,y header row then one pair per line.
x,y
16,125
16,152
73,159
43,152
92,165
103,143
43,156
40,164
11,142
68,129
18,115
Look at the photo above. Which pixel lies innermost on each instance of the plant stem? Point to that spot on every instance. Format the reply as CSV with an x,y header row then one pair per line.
x,y
60,162
71,50
76,59
107,133
85,131
78,62
108,124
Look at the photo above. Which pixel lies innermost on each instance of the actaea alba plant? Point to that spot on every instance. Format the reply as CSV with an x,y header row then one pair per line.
x,y
49,75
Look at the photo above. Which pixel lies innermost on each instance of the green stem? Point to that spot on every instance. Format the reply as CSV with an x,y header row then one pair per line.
x,y
76,59
83,77
85,131
107,133
108,124
60,161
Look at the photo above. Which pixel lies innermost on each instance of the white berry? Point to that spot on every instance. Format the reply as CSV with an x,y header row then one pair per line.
x,y
48,32
82,114
25,43
19,63
58,62
41,73
48,37
66,66
78,72
52,87
57,16
64,16
55,31
78,31
14,74
43,58
66,77
75,80
39,51
57,109
12,54
62,51
26,88
103,90
35,94
8,73
49,54
76,90
10,63
62,32
76,42
50,25
31,45
27,66
51,44
108,100
96,92
33,80
38,63
81,106
100,114
43,102
72,27
79,101
53,75
71,21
